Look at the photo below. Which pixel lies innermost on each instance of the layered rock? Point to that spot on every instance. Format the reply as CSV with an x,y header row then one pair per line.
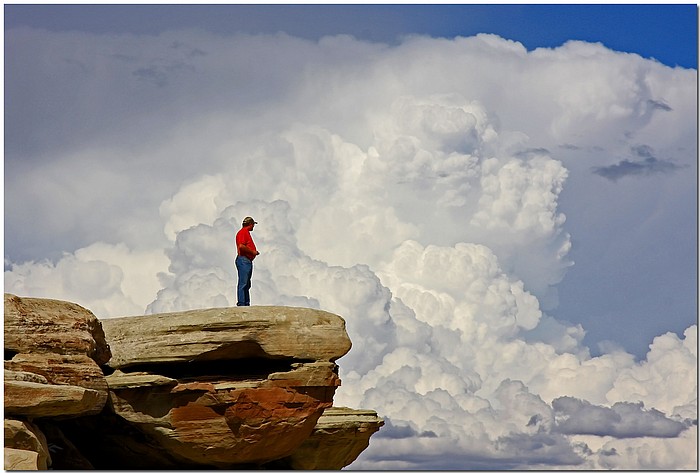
x,y
50,326
286,333
53,385
244,387
52,354
225,386
338,438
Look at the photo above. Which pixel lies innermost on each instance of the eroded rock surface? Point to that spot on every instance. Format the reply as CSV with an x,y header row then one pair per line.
x,y
235,333
30,450
49,326
18,459
243,387
76,379
52,352
338,438
51,371
225,386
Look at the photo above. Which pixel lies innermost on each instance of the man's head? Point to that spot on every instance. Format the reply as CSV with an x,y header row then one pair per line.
x,y
249,222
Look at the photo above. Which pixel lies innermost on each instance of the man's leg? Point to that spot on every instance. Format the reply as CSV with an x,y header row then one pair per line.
x,y
245,269
248,284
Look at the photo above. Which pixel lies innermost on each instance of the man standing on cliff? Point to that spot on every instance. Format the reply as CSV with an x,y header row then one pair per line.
x,y
244,261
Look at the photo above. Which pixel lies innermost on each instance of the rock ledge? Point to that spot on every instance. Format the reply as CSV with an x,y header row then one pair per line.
x,y
214,388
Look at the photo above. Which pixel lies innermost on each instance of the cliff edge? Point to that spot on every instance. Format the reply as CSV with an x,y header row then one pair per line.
x,y
228,388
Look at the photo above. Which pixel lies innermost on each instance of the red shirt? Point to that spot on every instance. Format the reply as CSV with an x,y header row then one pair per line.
x,y
243,238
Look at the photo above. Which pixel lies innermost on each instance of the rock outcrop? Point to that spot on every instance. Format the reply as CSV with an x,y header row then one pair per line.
x,y
338,438
49,326
243,387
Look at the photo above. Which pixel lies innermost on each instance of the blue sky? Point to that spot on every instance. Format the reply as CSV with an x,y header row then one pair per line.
x,y
499,199
666,32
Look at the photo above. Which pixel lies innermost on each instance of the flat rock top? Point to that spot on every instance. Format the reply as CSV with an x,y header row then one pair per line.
x,y
231,333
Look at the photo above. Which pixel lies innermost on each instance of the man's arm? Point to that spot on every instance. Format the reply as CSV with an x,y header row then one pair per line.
x,y
245,251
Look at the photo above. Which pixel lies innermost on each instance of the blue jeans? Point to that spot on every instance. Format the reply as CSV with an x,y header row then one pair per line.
x,y
245,274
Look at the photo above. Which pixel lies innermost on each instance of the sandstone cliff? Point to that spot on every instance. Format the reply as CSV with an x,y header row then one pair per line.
x,y
229,388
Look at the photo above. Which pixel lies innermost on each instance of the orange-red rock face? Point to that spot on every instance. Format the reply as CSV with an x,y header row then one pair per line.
x,y
223,423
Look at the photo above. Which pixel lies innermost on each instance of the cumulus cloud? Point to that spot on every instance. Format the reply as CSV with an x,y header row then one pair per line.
x,y
671,361
647,165
622,420
418,200
110,280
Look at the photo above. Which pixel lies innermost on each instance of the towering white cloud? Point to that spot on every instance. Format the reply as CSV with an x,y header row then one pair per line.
x,y
414,190
111,280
